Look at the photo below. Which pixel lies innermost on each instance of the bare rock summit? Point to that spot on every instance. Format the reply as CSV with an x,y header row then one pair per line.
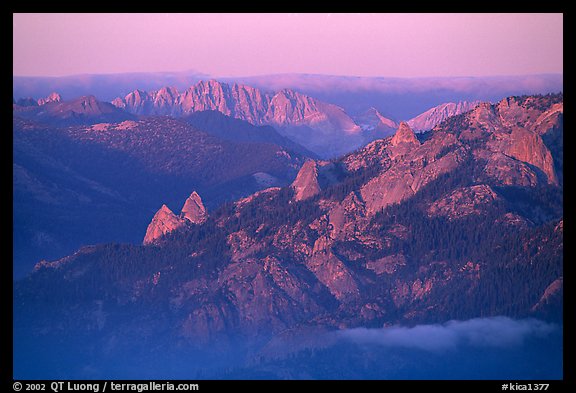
x,y
306,184
164,221
194,210
53,97
404,134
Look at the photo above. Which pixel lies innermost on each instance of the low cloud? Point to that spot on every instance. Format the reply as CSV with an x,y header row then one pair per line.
x,y
474,85
492,332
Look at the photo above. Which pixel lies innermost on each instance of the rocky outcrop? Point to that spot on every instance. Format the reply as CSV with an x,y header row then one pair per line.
x,y
507,170
527,146
194,210
165,98
53,97
514,220
414,165
549,119
331,272
535,113
347,218
463,202
164,221
505,138
289,107
306,184
253,297
389,264
516,126
242,246
404,134
552,293
373,154
29,102
560,226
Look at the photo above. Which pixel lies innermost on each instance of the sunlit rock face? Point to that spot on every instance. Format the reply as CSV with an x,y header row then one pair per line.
x,y
194,210
306,183
163,222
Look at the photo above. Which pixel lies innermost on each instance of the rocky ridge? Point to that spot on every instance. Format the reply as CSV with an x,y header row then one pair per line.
x,y
284,108
302,118
53,97
165,221
82,110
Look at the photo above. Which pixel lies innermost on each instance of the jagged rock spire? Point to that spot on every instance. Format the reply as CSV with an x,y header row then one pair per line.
x,y
194,210
164,221
53,97
306,184
404,134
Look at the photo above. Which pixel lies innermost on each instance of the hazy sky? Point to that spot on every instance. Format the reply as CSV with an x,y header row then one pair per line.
x,y
401,45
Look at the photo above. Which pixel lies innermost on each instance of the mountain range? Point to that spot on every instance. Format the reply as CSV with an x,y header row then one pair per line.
x,y
85,110
319,126
303,109
462,221
323,128
397,98
405,98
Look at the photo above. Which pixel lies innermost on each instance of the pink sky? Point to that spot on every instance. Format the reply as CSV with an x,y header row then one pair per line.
x,y
395,45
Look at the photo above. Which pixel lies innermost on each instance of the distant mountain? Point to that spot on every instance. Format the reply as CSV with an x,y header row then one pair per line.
x,y
405,98
373,119
436,115
105,86
86,184
25,102
461,222
53,97
374,125
400,98
83,110
321,127
328,131
29,101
